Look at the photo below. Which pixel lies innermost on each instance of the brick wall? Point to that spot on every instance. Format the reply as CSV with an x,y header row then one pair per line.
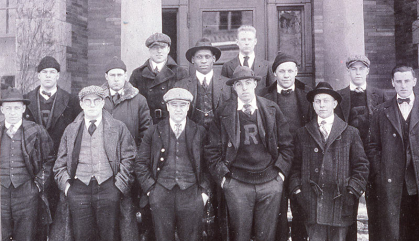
x,y
405,15
77,64
104,29
380,40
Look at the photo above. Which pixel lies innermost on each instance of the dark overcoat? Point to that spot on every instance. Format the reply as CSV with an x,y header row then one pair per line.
x,y
153,86
224,141
121,151
388,162
154,150
261,68
325,172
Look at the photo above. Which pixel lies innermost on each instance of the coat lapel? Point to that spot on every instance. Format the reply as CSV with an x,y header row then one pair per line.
x,y
164,131
61,104
392,114
259,67
370,100
313,129
190,132
110,136
33,106
337,128
216,90
414,115
229,120
346,103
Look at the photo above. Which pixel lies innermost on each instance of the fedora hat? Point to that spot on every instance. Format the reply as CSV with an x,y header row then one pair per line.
x,y
323,88
203,43
13,95
242,72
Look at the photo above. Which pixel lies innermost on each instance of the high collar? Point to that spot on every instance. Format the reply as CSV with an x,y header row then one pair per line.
x,y
53,91
279,87
253,104
15,126
113,92
87,121
352,86
411,97
200,76
158,65
250,61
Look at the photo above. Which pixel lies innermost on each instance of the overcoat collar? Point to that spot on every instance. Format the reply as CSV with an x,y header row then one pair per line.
x,y
346,101
129,92
335,133
391,109
165,73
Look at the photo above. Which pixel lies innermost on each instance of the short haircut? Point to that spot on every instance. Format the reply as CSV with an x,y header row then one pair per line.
x,y
402,68
246,28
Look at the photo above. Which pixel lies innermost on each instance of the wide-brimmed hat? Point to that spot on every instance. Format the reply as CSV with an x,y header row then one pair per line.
x,y
242,72
13,95
203,43
323,88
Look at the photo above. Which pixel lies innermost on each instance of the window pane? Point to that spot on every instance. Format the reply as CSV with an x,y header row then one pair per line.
x,y
7,16
290,31
221,28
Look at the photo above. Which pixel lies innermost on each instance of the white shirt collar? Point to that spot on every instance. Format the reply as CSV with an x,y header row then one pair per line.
x,y
352,86
329,120
53,91
15,126
158,65
411,96
253,104
87,121
200,76
250,61
113,92
279,88
172,124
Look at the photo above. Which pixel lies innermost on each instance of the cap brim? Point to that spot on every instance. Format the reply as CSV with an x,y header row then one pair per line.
x,y
348,65
162,44
25,101
231,81
191,52
334,94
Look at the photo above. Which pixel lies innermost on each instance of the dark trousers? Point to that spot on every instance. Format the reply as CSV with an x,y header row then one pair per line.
x,y
19,211
177,209
253,205
317,232
298,228
371,198
409,217
94,210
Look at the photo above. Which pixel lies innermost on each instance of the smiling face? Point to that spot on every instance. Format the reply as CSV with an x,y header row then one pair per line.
x,y
285,74
48,78
245,89
13,111
116,79
158,53
358,73
203,61
324,105
403,83
92,106
178,110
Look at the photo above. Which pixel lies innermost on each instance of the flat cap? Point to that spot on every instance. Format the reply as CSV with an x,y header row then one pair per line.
x,y
115,63
93,89
178,94
158,38
242,72
357,58
48,62
282,58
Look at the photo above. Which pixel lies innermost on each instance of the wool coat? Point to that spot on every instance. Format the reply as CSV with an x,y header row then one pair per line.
x,y
153,86
388,162
326,172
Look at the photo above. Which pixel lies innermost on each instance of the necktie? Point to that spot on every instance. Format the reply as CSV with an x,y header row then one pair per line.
x,y
323,130
247,109
401,100
156,70
115,97
178,131
359,90
10,131
92,127
204,83
286,92
46,93
246,61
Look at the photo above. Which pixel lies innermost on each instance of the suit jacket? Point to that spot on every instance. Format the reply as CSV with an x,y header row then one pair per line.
x,y
66,109
328,171
261,68
221,91
153,86
301,90
388,163
153,154
38,154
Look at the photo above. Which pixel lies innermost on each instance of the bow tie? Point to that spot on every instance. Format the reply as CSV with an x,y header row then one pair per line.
x,y
46,93
286,92
401,100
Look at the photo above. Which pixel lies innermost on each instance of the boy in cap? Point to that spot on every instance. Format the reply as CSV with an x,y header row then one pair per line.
x,y
246,41
171,170
359,100
249,154
94,168
26,161
207,87
157,75
330,169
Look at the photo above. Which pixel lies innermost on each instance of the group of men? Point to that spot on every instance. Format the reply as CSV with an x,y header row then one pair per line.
x,y
160,148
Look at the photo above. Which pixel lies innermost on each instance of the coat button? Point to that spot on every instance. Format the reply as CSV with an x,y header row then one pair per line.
x,y
151,90
162,88
316,170
394,134
162,102
389,180
229,144
161,159
162,150
316,150
158,168
206,114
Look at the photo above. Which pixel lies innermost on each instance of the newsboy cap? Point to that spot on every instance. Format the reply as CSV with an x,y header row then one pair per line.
x,y
178,94
242,72
282,58
115,63
93,89
159,39
13,95
357,58
48,62
203,43
323,88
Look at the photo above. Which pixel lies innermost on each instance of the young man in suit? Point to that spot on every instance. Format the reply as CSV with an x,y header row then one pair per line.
x,y
26,161
171,170
157,75
330,169
246,40
393,153
249,154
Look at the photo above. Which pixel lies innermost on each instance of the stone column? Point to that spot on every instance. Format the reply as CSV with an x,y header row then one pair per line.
x,y
139,19
339,28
